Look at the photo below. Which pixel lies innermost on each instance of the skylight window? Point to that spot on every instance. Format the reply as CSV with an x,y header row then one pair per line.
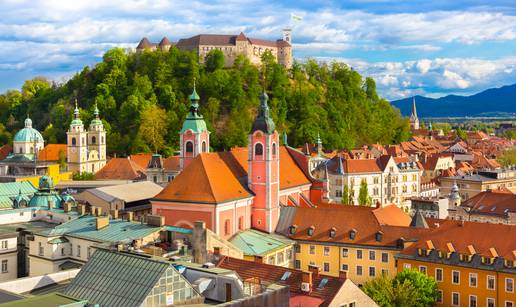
x,y
323,283
285,276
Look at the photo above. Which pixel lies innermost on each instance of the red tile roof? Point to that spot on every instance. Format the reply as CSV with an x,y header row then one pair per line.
x,y
171,163
5,150
51,152
461,234
121,169
142,159
495,202
271,273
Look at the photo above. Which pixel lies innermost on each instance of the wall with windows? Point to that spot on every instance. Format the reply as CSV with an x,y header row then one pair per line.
x,y
461,285
8,258
361,263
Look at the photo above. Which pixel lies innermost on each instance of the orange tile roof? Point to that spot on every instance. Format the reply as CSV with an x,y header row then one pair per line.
x,y
171,163
272,274
209,178
363,220
461,234
51,152
5,150
121,169
142,159
391,215
495,202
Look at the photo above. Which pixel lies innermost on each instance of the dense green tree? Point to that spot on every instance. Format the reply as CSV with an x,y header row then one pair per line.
x,y
463,134
425,286
214,60
363,194
508,157
346,196
153,127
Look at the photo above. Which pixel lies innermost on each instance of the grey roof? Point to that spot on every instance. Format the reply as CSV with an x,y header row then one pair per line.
x,y
6,296
418,220
117,279
285,220
130,192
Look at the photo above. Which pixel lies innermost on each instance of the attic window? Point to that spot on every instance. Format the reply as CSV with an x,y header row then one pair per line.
x,y
292,229
285,276
311,230
333,232
322,284
352,234
379,236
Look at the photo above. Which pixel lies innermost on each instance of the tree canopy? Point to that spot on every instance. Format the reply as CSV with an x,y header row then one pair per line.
x,y
310,98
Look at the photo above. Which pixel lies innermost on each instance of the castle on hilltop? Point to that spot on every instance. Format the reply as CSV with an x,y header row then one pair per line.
x,y
231,45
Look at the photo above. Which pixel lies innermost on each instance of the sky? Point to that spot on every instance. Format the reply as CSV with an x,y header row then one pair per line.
x,y
432,48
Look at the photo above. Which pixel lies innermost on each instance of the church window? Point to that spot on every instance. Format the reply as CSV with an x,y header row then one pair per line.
x,y
258,149
74,141
204,146
226,227
273,148
93,140
241,223
189,146
83,141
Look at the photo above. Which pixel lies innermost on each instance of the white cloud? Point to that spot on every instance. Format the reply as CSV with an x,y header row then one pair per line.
x,y
424,65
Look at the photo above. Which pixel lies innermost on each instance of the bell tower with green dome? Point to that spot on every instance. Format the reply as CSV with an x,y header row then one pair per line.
x,y
96,143
77,146
194,137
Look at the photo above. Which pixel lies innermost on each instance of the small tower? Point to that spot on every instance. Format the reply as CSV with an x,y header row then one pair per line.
x,y
287,35
454,198
96,143
414,121
77,145
194,137
263,169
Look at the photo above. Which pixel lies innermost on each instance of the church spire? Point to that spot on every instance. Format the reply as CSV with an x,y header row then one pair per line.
x,y
414,121
263,120
76,115
194,102
414,111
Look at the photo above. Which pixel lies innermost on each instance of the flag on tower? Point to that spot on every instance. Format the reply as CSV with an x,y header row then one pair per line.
x,y
295,17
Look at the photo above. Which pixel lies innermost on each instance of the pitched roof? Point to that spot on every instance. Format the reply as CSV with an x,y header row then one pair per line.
x,y
46,300
144,43
165,42
129,192
362,220
117,279
10,190
142,159
209,178
495,202
171,163
354,165
391,215
256,243
121,168
51,152
5,150
461,234
273,274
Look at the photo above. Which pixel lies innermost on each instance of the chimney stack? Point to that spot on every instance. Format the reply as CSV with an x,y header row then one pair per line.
x,y
307,278
156,220
81,209
99,211
314,269
114,214
102,221
67,207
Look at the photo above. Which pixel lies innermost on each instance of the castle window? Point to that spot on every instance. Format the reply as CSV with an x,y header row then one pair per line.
x,y
93,140
74,141
204,146
258,149
189,146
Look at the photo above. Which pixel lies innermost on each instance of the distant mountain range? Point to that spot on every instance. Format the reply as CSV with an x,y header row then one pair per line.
x,y
492,102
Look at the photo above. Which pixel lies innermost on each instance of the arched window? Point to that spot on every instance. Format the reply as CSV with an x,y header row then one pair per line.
x,y
189,146
273,149
204,146
226,227
241,223
74,141
101,140
93,140
258,149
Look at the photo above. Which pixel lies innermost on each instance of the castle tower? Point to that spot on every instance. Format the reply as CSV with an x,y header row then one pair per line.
x,y
287,35
414,121
263,173
96,143
194,137
454,198
77,146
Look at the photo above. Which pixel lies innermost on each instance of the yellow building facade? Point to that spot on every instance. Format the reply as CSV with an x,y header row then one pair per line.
x,y
53,171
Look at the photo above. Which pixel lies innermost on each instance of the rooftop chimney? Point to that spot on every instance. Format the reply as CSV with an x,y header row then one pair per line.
x,y
307,278
81,209
114,214
156,220
314,269
102,221
67,207
129,216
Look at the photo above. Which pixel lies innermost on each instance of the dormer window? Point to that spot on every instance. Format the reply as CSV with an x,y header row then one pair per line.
x,y
379,236
352,234
292,229
311,230
333,232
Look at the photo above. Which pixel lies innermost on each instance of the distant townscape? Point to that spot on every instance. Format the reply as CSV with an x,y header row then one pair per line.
x,y
406,213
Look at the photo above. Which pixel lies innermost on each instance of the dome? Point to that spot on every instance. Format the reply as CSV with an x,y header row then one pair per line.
x,y
45,183
28,134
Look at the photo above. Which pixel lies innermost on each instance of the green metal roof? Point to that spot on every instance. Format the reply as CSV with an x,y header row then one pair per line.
x,y
47,300
42,199
10,190
116,279
256,243
178,229
14,157
28,134
59,240
117,231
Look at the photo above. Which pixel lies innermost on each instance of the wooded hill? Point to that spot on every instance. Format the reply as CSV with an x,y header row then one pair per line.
x,y
141,95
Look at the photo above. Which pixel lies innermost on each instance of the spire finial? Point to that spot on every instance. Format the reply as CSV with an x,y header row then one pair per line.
x,y
96,110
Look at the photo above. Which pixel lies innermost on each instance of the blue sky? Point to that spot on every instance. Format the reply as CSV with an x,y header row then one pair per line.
x,y
413,47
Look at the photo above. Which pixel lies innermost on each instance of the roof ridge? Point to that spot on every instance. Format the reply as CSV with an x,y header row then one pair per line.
x,y
202,157
247,243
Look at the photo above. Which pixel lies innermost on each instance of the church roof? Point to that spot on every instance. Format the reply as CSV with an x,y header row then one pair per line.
x,y
165,42
5,150
222,176
263,121
28,134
